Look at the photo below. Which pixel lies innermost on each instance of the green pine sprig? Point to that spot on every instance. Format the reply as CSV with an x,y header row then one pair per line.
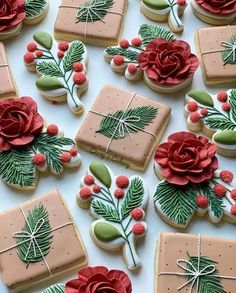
x,y
57,288
129,54
228,53
105,211
232,100
34,7
74,54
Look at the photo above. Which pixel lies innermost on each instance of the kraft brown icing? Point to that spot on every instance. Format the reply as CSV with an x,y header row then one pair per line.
x,y
66,249
175,246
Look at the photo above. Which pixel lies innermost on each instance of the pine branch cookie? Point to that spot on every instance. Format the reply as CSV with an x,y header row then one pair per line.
x,y
118,204
61,67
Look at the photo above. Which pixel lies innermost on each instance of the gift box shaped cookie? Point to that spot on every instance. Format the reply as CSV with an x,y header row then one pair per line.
x,y
195,264
7,86
91,21
38,240
124,127
216,46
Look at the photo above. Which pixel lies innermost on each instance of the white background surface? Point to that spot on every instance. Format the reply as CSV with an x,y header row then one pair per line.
x,y
99,73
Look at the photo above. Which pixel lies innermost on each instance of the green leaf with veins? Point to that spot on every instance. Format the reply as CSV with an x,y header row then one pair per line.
x,y
49,69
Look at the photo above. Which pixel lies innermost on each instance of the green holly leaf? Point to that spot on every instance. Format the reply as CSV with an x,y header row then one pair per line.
x,y
47,83
134,120
227,137
232,100
149,32
201,97
100,171
49,69
106,232
176,203
44,39
57,288
17,168
157,4
35,253
133,198
34,7
105,211
130,55
74,54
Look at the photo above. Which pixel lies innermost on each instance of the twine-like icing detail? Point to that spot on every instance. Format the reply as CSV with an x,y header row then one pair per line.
x,y
3,65
195,272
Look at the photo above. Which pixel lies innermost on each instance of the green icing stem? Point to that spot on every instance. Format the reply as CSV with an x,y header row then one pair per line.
x,y
227,137
106,232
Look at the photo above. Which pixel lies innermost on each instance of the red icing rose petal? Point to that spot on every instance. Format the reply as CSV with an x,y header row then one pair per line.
x,y
217,6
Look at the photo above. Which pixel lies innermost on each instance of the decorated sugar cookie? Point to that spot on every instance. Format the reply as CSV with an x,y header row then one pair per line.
x,y
97,22
215,115
194,263
166,64
15,13
118,204
8,87
124,127
61,67
217,52
165,10
193,183
28,147
215,12
99,278
57,288
39,240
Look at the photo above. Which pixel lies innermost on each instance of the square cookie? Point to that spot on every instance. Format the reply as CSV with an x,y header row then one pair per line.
x,y
91,21
38,240
217,53
124,127
7,85
195,263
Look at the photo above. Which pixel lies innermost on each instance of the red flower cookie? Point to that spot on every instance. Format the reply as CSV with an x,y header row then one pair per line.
x,y
220,7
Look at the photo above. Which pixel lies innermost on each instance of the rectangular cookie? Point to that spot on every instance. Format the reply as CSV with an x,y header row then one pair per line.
x,y
210,263
56,247
124,127
7,85
217,54
91,21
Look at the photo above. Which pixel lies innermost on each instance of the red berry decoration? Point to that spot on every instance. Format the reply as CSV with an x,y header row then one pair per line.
x,y
89,180
118,60
79,78
204,112
202,201
227,176
122,181
39,160
63,46
132,69
181,2
233,210
96,188
222,97
226,107
39,53
137,42
29,57
233,194
65,157
124,44
192,106
32,47
119,193
74,151
78,67
60,54
85,193
195,117
220,190
137,214
138,229
52,130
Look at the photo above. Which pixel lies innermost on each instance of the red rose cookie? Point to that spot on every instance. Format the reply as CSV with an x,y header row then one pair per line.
x,y
167,65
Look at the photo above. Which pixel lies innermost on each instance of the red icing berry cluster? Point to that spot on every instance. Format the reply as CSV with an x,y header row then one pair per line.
x,y
196,112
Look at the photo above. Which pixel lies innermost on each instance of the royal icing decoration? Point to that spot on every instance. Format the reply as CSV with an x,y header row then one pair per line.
x,y
215,115
118,204
93,21
62,74
14,13
32,242
172,69
121,124
195,264
165,10
57,288
28,147
192,183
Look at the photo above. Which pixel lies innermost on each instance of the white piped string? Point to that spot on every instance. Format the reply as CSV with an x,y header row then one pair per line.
x,y
3,65
32,236
194,272
88,10
124,124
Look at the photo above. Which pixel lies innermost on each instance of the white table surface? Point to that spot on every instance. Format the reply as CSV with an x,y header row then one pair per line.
x,y
100,73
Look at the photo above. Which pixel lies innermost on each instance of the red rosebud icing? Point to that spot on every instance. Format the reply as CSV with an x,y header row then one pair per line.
x,y
119,193
63,46
122,181
32,47
65,157
39,160
137,214
12,13
233,194
118,60
89,180
138,229
52,130
233,210
78,67
168,63
29,57
124,44
227,176
222,97
85,193
96,188
221,7
220,190
99,280
186,158
202,201
192,106
20,122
